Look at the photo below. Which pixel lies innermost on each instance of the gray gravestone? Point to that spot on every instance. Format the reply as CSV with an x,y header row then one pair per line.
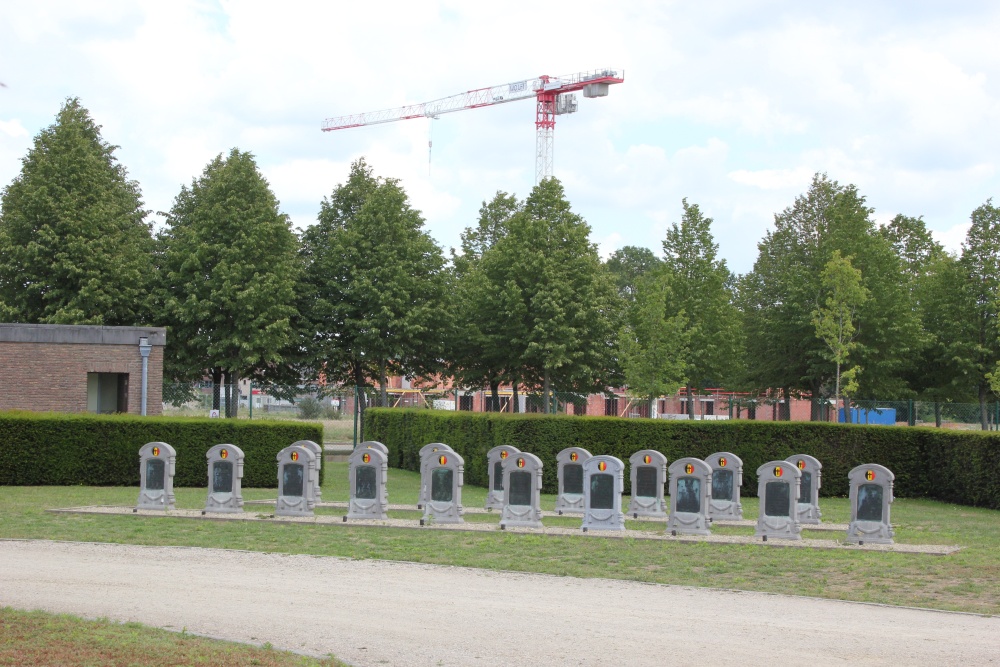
x,y
522,483
157,461
569,468
690,495
443,479
495,459
427,454
871,495
727,478
603,485
778,489
367,469
296,481
225,479
808,504
648,477
318,451
374,444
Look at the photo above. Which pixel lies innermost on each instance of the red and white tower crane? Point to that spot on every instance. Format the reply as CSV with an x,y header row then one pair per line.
x,y
553,96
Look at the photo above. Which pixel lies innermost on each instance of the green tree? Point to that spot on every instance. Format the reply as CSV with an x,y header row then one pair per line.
x,y
557,287
228,275
834,317
375,291
701,286
628,265
652,346
74,244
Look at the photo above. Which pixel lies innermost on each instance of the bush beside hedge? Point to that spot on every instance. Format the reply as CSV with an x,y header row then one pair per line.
x,y
103,450
953,466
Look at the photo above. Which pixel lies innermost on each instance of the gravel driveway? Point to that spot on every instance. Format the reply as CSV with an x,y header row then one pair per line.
x,y
386,613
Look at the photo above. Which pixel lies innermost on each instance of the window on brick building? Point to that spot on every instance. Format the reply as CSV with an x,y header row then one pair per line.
x,y
611,406
107,393
465,402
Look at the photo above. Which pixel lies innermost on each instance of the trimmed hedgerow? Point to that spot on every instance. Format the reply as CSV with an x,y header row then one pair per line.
x,y
103,450
954,466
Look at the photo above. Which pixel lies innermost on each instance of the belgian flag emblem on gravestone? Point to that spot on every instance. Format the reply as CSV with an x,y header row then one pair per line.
x,y
442,459
602,466
647,459
573,456
504,454
870,475
801,464
688,469
366,458
723,462
778,471
520,463
224,454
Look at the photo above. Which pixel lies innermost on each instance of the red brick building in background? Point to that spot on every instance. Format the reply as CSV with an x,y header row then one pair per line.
x,y
70,368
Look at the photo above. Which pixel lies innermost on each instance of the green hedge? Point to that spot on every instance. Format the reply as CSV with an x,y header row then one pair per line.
x,y
954,466
103,450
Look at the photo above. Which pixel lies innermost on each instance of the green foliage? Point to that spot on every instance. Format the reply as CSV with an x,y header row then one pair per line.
x,y
228,273
628,266
375,291
74,244
309,408
958,467
834,318
97,450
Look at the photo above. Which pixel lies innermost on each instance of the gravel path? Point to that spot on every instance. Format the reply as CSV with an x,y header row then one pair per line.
x,y
387,613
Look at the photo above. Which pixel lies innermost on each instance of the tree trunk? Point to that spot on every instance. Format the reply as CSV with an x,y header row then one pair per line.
x,y
983,415
937,414
383,393
232,394
652,405
848,419
362,399
515,407
546,389
786,407
216,388
495,395
690,399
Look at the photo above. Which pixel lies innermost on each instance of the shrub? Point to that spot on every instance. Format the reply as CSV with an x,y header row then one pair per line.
x,y
309,408
960,467
103,450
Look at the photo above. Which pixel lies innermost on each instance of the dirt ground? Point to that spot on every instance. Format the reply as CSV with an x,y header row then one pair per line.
x,y
386,613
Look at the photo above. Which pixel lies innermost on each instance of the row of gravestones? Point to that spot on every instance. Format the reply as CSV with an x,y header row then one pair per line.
x,y
700,491
298,478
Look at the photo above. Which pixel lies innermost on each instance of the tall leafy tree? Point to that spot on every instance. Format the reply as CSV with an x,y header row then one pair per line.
x,y
375,290
557,286
701,286
75,247
628,265
228,275
834,318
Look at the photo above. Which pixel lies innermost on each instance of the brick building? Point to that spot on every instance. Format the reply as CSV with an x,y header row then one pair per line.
x,y
68,368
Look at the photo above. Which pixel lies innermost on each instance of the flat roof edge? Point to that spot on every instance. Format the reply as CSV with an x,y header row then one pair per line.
x,y
80,334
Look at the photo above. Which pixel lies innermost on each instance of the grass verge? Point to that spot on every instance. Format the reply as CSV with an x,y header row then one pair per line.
x,y
38,638
967,581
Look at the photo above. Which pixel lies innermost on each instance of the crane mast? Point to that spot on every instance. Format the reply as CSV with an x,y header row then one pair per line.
x,y
553,96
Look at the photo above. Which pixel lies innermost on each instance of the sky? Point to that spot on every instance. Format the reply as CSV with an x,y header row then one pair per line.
x,y
732,105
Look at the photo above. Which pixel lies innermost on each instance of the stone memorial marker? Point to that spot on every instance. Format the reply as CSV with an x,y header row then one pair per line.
x,y
225,479
778,489
569,467
374,444
317,450
808,504
648,476
690,495
296,481
603,485
427,454
157,462
367,469
495,458
727,478
443,479
522,481
871,495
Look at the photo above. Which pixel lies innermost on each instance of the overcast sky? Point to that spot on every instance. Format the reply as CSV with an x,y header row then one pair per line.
x,y
734,105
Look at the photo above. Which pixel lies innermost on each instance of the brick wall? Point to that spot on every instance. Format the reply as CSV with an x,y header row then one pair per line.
x,y
51,376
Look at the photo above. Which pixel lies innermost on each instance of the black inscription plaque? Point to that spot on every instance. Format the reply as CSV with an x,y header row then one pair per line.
x,y
805,491
222,477
689,495
722,484
870,502
155,472
291,479
776,500
520,489
442,480
602,492
498,476
364,482
573,478
645,481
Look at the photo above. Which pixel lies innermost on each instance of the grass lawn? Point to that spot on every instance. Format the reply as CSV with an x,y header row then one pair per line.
x,y
36,638
966,581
